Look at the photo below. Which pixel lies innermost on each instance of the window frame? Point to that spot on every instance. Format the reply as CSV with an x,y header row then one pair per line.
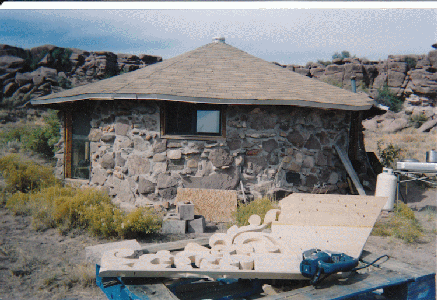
x,y
164,107
68,148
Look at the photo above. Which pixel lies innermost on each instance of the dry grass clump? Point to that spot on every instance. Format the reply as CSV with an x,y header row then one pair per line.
x,y
402,225
257,207
24,175
66,208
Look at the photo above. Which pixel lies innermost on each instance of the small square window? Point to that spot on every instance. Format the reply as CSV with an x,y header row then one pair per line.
x,y
192,119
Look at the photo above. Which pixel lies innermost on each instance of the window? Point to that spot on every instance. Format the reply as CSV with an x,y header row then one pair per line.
x,y
77,147
192,119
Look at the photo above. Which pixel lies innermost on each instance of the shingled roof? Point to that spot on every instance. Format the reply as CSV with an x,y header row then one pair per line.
x,y
216,73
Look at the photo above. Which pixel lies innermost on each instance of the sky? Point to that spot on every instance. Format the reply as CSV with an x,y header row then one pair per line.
x,y
287,35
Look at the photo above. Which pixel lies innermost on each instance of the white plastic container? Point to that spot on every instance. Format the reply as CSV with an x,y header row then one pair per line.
x,y
386,187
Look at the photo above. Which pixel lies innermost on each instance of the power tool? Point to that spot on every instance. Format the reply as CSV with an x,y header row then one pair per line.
x,y
316,262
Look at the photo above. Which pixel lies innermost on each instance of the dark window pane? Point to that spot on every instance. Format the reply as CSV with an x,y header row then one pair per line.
x,y
191,119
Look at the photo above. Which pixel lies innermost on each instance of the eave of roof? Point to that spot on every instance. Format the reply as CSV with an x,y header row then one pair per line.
x,y
220,74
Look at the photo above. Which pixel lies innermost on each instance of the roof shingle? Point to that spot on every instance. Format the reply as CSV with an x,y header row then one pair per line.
x,y
217,73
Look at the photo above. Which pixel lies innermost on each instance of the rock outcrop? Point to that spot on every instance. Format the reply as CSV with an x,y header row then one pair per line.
x,y
412,78
30,73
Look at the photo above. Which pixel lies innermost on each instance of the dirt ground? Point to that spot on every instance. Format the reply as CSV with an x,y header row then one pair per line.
x,y
47,265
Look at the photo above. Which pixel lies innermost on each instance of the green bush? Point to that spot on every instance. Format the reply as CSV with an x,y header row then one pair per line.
x,y
344,54
68,209
24,175
402,225
140,222
411,62
257,207
389,154
62,58
417,120
324,62
41,140
65,83
388,98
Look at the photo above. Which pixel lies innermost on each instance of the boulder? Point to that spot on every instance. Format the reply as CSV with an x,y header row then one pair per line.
x,y
220,158
9,89
121,128
145,186
107,161
219,181
10,62
166,181
270,145
138,165
23,78
394,125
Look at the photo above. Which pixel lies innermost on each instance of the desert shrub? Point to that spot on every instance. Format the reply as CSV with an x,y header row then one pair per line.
x,y
62,58
344,54
324,62
32,61
417,120
257,207
64,82
389,154
16,134
411,62
24,175
43,139
19,203
140,222
67,209
333,82
402,225
388,98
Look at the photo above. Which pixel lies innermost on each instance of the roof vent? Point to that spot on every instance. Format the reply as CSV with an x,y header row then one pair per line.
x,y
219,39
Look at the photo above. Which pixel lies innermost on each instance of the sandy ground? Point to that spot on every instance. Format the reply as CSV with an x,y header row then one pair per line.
x,y
47,265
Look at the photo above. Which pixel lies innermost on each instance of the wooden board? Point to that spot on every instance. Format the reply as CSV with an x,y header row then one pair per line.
x,y
214,205
350,170
339,223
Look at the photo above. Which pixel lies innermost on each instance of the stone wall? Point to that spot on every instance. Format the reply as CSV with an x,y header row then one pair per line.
x,y
269,149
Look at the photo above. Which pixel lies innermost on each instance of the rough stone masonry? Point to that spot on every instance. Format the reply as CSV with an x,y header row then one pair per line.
x,y
267,148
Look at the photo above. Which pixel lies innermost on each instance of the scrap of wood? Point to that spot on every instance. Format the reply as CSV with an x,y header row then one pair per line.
x,y
350,170
214,205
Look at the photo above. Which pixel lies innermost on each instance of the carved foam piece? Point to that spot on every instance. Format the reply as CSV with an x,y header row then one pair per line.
x,y
271,216
246,262
117,258
254,220
162,259
209,262
202,256
276,262
229,262
220,239
182,262
260,242
224,249
245,249
192,247
190,255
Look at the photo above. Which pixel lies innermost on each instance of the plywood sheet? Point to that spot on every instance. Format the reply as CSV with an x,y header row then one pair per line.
x,y
330,210
339,223
214,205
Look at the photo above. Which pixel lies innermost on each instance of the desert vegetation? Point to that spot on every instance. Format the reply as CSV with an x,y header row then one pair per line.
x,y
257,207
33,190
